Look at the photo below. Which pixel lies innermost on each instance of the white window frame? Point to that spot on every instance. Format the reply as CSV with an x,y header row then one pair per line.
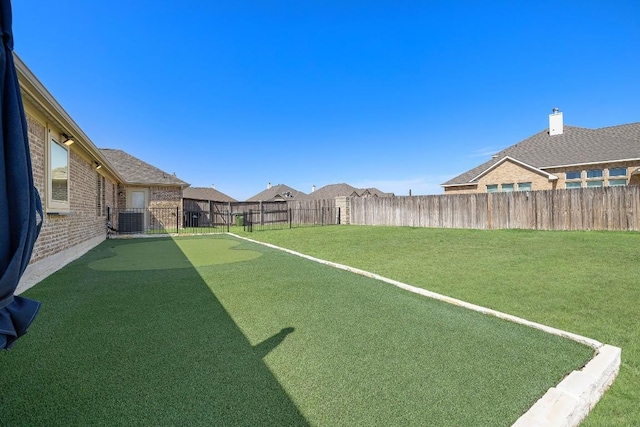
x,y
56,206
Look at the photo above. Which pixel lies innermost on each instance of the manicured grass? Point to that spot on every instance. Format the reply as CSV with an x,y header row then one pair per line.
x,y
583,282
133,334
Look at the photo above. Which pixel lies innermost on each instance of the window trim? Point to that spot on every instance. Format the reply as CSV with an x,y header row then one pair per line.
x,y
618,182
527,184
620,169
56,206
511,187
566,177
597,177
494,188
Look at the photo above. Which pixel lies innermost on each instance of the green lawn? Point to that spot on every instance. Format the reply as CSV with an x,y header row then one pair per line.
x,y
583,282
210,330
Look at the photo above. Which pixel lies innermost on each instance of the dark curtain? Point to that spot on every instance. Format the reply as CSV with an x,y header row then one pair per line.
x,y
20,206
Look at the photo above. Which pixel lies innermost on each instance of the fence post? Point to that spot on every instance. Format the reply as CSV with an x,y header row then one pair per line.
x,y
338,216
290,218
177,220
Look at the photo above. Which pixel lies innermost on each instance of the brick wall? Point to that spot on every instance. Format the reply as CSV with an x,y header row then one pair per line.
x,y
510,172
84,222
462,189
630,165
37,138
166,203
165,197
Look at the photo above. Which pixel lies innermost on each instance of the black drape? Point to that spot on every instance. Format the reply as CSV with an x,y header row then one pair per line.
x,y
20,206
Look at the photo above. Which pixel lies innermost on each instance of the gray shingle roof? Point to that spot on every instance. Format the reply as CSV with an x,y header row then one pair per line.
x,y
372,191
206,193
278,192
333,190
135,171
575,146
337,190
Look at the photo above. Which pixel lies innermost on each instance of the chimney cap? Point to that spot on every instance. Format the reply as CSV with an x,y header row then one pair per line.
x,y
555,110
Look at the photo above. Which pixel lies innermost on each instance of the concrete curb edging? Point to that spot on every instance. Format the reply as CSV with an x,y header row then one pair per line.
x,y
570,401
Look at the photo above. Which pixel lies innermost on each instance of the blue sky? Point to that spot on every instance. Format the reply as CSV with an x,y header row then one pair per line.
x,y
396,95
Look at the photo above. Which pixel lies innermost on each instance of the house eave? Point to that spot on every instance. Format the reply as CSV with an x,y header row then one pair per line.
x,y
590,163
466,184
38,95
154,184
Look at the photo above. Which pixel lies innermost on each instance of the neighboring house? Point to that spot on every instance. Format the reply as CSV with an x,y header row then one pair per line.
x,y
199,205
277,193
76,182
341,190
561,157
147,196
205,194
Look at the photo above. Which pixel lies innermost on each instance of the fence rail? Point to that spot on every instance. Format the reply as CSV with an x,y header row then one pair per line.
x,y
607,208
217,219
290,218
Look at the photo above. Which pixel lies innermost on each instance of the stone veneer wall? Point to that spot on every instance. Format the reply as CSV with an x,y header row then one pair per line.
x,y
344,203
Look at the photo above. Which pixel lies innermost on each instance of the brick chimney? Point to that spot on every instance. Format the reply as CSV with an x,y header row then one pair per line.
x,y
555,122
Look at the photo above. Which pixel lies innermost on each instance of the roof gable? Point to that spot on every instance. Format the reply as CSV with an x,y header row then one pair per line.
x,y
575,146
517,162
340,190
278,192
137,172
333,190
206,193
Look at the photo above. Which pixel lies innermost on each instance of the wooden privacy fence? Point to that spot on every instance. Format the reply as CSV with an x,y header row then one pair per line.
x,y
239,207
607,208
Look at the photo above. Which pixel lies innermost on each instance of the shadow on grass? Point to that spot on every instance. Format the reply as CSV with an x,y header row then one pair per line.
x,y
152,347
